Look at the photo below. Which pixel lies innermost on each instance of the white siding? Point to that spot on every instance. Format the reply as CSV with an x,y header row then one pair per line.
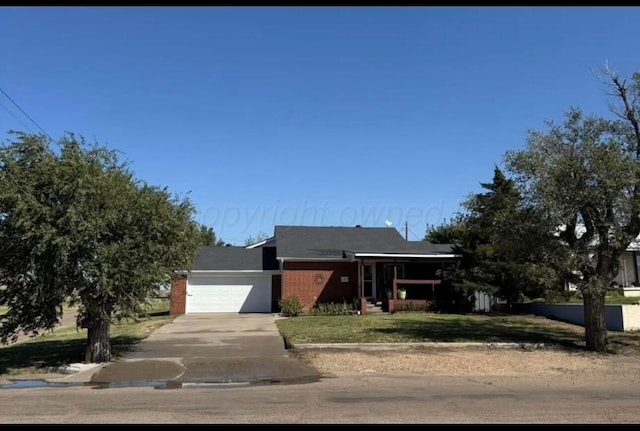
x,y
627,273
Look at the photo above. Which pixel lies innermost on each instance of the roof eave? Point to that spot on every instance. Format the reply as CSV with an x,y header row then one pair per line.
x,y
410,255
260,243
310,259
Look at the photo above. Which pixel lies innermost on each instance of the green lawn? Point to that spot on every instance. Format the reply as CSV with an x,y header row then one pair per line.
x,y
433,327
66,344
421,327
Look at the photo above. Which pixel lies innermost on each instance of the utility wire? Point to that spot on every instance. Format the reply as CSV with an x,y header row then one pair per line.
x,y
16,118
26,115
412,233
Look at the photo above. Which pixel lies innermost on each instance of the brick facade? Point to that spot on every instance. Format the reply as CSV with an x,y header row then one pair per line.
x,y
178,296
320,282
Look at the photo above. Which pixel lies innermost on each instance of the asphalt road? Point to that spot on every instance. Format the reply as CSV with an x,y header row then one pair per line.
x,y
343,400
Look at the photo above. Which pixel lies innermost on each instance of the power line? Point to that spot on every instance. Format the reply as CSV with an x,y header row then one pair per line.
x,y
26,115
16,118
409,231
418,237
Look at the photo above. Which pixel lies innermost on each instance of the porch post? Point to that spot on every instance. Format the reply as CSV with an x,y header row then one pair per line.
x,y
395,283
363,299
441,280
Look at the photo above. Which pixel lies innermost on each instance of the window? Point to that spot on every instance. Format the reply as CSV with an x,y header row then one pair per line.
x,y
388,271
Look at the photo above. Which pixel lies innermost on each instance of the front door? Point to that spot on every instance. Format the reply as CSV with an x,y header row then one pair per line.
x,y
369,282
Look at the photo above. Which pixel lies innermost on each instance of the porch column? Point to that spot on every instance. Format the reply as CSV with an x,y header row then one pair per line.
x,y
395,283
363,299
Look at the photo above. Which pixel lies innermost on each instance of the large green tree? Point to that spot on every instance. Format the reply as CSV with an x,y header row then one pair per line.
x,y
493,234
208,236
76,228
584,175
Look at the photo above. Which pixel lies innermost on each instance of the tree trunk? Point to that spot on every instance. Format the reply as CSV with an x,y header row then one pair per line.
x,y
98,345
594,322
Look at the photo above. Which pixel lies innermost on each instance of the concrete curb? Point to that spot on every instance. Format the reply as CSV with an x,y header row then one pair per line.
x,y
79,372
76,368
401,346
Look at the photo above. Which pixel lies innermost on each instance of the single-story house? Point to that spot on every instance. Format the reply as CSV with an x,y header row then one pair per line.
x,y
316,264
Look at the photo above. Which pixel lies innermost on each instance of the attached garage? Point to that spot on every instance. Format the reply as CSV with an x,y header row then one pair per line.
x,y
228,292
227,280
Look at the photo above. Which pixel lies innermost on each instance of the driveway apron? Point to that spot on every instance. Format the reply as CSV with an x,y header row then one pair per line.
x,y
215,348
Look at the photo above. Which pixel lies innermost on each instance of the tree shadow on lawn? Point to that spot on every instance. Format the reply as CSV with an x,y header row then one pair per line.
x,y
47,355
625,342
493,329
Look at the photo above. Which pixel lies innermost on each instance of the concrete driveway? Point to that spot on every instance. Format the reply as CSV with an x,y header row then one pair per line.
x,y
212,348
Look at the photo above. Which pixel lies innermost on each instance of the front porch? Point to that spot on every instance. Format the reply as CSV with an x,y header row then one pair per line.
x,y
398,284
397,299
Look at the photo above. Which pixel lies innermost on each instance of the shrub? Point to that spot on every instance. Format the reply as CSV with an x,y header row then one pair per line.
x,y
415,306
290,306
331,309
554,296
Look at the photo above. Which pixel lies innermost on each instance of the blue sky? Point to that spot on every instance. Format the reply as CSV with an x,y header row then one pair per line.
x,y
310,115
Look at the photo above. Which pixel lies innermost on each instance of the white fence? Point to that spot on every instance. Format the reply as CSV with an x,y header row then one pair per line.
x,y
484,302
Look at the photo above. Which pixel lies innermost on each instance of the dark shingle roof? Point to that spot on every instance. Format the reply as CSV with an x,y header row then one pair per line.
x,y
228,258
332,242
420,247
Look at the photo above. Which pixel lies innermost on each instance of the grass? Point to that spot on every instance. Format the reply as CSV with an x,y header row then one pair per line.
x,y
420,327
433,327
66,344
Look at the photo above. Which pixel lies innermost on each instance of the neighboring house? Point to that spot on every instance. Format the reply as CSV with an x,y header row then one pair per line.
x,y
628,272
315,264
628,279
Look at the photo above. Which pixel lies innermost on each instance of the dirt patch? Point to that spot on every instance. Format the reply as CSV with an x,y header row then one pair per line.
x,y
476,361
568,363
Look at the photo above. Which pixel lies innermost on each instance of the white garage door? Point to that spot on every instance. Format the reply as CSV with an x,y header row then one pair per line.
x,y
229,293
